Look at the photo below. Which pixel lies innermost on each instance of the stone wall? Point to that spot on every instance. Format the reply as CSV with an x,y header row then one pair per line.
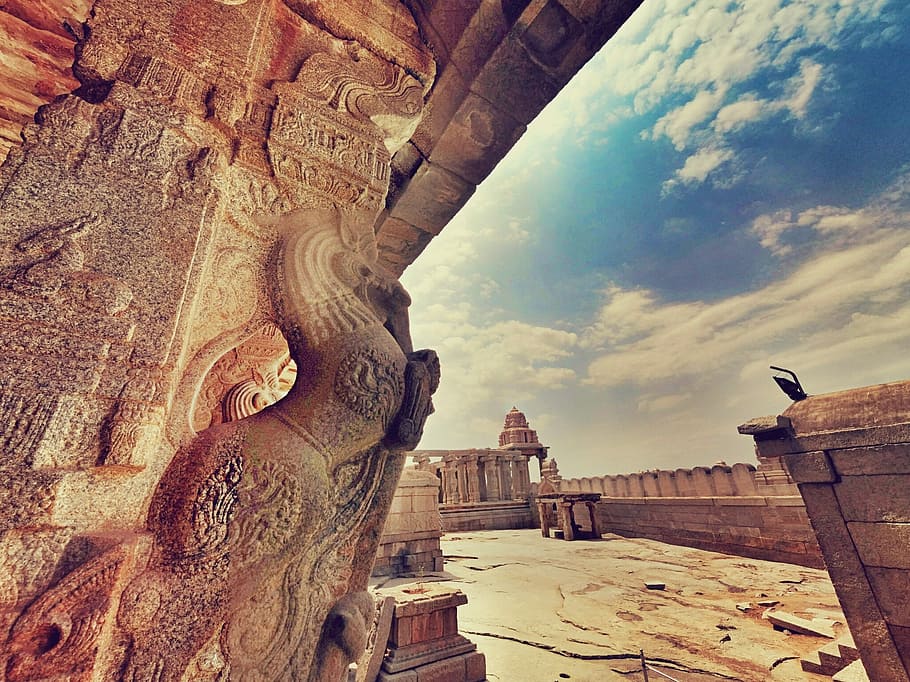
x,y
410,539
721,508
771,528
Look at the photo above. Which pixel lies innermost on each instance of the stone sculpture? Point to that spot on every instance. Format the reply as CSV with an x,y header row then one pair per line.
x,y
263,529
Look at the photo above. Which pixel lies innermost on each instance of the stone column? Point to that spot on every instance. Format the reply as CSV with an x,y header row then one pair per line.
x,y
516,476
592,511
544,521
450,469
462,468
472,479
505,473
491,471
567,520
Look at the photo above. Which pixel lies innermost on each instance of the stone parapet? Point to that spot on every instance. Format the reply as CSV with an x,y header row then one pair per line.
x,y
770,528
849,453
718,480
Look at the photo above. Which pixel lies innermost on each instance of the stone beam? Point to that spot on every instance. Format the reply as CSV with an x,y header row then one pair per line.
x,y
498,66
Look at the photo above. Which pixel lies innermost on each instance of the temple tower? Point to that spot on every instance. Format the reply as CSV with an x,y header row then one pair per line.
x,y
518,435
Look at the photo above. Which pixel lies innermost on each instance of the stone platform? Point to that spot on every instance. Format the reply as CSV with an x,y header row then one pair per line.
x,y
545,611
486,516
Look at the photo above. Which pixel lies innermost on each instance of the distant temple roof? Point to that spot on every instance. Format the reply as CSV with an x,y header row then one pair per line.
x,y
516,429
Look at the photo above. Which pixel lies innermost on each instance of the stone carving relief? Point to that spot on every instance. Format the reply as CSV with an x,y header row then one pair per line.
x,y
54,270
335,127
267,516
245,380
262,527
27,561
58,635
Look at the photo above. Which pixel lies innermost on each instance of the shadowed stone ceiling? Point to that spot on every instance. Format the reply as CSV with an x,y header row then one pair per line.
x,y
499,62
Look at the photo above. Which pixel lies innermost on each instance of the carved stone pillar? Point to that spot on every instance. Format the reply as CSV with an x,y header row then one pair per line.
x,y
221,167
450,467
567,519
505,473
472,479
491,470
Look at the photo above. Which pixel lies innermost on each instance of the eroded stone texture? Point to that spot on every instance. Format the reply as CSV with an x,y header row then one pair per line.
x,y
206,176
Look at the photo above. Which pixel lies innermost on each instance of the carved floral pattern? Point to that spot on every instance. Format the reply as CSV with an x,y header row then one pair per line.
x,y
370,383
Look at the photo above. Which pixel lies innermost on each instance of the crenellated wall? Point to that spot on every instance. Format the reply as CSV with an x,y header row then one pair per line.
x,y
720,508
718,480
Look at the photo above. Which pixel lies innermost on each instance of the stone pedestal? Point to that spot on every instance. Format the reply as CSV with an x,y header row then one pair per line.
x,y
424,644
410,539
849,452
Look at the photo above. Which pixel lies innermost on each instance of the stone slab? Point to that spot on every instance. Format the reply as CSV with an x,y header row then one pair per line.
x,y
882,498
882,544
884,459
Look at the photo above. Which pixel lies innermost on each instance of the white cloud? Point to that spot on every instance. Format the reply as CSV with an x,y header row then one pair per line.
x,y
733,116
698,167
849,288
678,123
705,53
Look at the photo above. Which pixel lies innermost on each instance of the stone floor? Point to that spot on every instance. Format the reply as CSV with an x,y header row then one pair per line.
x,y
548,610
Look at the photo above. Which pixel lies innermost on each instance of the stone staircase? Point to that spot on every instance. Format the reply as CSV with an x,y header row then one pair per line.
x,y
838,660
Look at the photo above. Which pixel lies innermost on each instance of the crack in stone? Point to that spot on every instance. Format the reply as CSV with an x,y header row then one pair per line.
x,y
782,660
666,662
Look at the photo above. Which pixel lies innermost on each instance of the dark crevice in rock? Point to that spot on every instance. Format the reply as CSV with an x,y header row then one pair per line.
x,y
782,660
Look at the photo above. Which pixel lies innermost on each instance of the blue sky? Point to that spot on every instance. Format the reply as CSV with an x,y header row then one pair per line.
x,y
725,186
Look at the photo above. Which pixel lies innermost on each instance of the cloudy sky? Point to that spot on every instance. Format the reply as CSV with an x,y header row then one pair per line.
x,y
725,186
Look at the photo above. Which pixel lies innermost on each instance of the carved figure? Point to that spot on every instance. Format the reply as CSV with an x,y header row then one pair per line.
x,y
265,527
56,269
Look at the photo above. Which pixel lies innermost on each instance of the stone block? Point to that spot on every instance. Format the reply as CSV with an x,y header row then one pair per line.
x,y
475,667
445,24
476,139
882,544
873,461
424,503
512,78
744,501
489,26
788,621
402,238
855,672
892,592
434,196
446,670
450,90
901,636
810,467
785,501
875,498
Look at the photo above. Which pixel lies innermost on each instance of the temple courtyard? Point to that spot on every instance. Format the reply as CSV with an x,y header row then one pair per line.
x,y
546,610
